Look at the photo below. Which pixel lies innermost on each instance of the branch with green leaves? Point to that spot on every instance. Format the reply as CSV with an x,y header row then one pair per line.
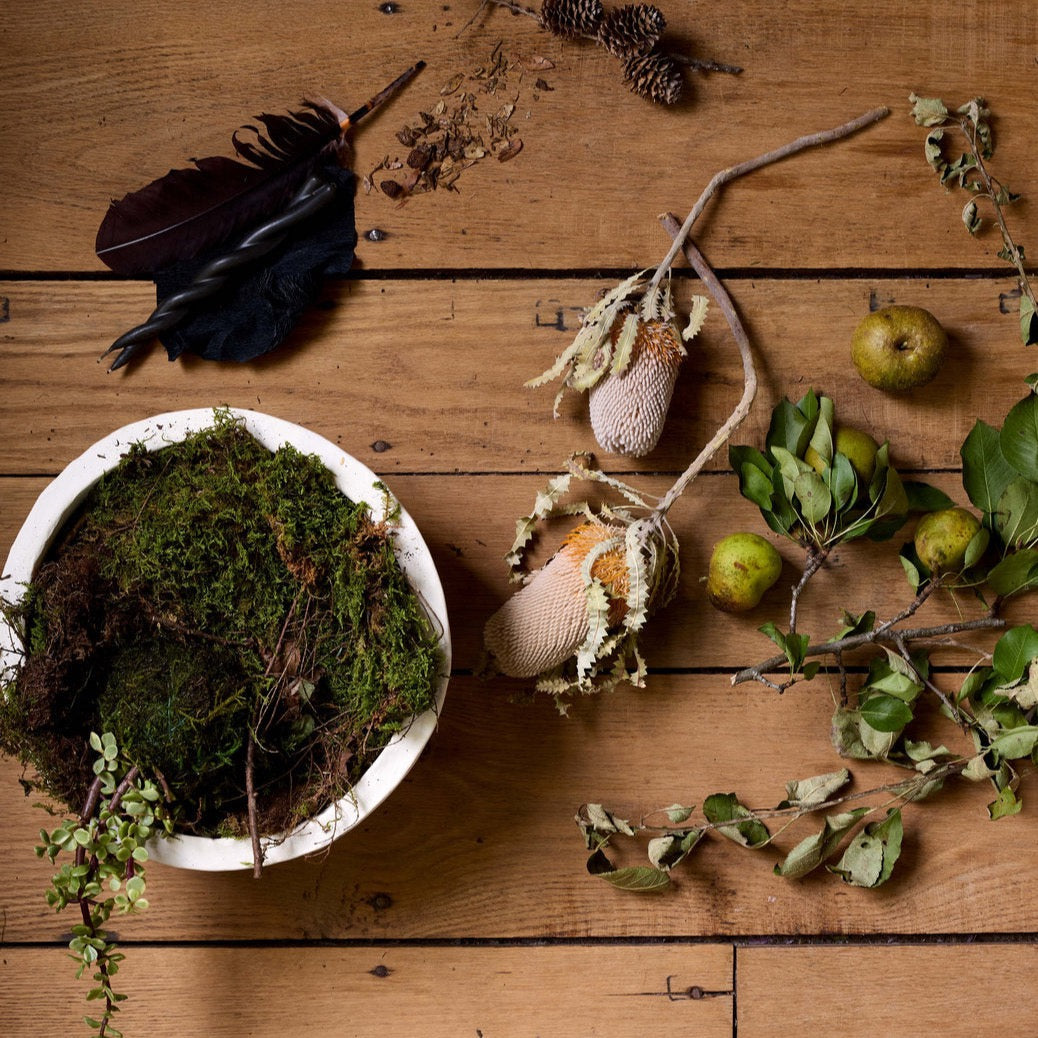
x,y
103,868
971,123
815,495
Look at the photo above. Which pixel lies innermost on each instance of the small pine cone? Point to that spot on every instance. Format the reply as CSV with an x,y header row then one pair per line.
x,y
628,409
632,29
655,76
544,623
571,18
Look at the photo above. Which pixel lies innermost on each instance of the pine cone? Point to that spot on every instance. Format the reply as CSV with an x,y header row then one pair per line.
x,y
628,409
632,29
655,76
544,623
571,18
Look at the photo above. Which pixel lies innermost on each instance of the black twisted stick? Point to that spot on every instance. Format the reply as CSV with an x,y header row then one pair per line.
x,y
309,199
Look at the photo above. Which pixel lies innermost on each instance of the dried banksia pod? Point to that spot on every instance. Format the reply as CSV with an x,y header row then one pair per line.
x,y
628,409
574,625
544,624
626,355
571,18
632,29
654,75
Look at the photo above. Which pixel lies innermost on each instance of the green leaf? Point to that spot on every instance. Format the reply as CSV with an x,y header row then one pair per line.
x,y
637,878
1019,437
814,850
925,498
789,429
602,821
1014,652
816,790
985,471
870,857
928,111
886,713
720,808
667,851
1016,743
814,496
842,482
1016,572
1016,515
755,486
679,813
1028,321
1005,805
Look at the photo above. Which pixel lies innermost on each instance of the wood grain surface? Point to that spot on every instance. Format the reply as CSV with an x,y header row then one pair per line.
x,y
463,906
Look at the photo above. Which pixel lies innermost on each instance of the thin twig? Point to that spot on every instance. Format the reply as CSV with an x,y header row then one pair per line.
x,y
742,341
726,175
1012,249
815,561
250,793
874,637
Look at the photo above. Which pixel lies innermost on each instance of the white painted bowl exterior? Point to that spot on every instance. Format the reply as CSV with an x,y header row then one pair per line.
x,y
62,496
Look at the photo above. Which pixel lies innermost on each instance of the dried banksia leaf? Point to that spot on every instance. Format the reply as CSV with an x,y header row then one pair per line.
x,y
632,29
571,18
654,75
628,408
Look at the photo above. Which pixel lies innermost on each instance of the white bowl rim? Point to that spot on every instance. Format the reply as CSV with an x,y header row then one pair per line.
x,y
65,492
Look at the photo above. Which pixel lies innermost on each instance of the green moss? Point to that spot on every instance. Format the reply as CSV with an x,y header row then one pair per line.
x,y
222,593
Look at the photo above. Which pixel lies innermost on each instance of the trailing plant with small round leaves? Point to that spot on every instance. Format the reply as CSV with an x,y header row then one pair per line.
x,y
103,855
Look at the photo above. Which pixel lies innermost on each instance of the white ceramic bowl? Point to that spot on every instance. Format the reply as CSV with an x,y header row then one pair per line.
x,y
359,483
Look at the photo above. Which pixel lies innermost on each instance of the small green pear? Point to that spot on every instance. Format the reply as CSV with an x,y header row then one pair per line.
x,y
858,447
898,347
742,567
941,539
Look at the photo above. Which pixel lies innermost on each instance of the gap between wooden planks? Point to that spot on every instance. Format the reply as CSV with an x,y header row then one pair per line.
x,y
480,843
468,547
591,177
428,375
435,992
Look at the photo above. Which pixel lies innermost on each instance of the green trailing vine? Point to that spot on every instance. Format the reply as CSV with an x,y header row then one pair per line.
x,y
819,498
102,868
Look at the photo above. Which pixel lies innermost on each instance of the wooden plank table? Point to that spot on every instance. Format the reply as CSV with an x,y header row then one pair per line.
x,y
462,907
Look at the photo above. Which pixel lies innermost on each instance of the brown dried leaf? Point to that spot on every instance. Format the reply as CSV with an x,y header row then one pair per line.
x,y
510,150
452,84
537,63
391,189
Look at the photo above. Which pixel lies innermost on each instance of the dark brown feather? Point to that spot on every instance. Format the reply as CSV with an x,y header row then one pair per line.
x,y
188,211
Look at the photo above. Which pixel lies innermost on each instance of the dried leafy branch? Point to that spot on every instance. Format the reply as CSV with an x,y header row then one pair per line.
x,y
996,705
971,124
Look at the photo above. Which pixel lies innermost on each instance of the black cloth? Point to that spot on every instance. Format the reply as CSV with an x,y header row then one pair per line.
x,y
258,307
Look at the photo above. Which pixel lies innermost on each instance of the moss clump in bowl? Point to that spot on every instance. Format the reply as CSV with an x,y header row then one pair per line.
x,y
242,628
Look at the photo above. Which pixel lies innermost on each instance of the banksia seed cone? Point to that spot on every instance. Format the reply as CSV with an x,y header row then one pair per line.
x,y
546,621
655,76
628,409
571,18
632,29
